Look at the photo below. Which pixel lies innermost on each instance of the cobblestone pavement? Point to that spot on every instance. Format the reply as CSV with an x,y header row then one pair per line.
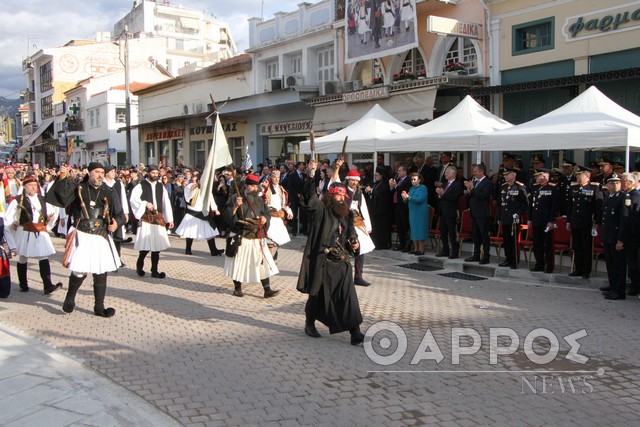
x,y
204,357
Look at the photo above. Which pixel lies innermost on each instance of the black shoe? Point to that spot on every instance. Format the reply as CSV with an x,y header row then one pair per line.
x,y
269,293
310,330
442,254
158,275
536,268
614,296
420,253
188,252
484,261
68,307
396,248
52,288
472,259
548,270
238,293
453,256
606,289
575,274
217,252
361,282
357,337
586,276
406,250
513,266
24,289
412,252
504,264
140,272
105,312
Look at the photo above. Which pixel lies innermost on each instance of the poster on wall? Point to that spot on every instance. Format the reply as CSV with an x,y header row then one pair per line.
x,y
377,28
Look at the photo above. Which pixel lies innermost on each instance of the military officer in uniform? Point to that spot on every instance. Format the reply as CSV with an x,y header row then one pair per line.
x,y
614,236
584,213
632,245
542,214
513,202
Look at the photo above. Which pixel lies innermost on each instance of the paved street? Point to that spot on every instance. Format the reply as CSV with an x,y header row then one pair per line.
x,y
202,357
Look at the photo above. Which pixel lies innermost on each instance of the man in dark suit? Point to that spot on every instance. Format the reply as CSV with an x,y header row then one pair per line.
x,y
449,194
445,161
293,184
401,209
479,192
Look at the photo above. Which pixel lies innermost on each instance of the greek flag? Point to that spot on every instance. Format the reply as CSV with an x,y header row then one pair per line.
x,y
248,164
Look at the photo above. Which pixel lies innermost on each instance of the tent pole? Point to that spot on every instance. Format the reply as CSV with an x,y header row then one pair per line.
x,y
628,155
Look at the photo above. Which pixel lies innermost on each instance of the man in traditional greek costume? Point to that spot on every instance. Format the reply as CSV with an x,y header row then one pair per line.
x,y
151,205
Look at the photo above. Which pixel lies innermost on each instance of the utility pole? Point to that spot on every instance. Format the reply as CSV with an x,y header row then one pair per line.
x,y
127,107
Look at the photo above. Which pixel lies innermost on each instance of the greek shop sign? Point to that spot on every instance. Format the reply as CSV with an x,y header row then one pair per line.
x,y
602,22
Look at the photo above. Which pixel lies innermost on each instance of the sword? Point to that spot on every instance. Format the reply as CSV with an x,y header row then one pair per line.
x,y
84,207
312,145
344,147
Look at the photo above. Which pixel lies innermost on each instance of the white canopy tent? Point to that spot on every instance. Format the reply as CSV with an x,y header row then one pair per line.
x,y
591,121
363,134
458,130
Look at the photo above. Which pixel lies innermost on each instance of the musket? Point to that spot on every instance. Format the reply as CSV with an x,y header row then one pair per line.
x,y
84,207
344,147
312,145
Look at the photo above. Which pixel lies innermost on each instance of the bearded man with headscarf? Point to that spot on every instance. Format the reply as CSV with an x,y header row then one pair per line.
x,y
326,274
249,216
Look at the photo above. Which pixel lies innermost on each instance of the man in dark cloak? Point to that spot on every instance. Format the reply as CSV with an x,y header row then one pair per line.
x,y
326,273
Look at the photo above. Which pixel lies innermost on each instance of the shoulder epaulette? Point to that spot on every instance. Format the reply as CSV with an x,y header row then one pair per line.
x,y
575,183
519,183
552,184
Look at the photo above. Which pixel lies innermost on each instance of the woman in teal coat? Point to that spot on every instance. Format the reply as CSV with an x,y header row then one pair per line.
x,y
416,198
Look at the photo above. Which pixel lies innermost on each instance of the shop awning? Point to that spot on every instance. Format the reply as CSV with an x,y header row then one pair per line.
x,y
45,124
189,23
411,106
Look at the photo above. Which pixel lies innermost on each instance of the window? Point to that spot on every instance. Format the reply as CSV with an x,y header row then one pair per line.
x,y
92,119
97,117
121,115
413,62
272,70
326,65
462,51
367,71
46,78
46,107
533,36
296,65
237,146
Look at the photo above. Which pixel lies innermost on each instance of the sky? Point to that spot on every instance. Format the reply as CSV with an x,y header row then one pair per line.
x,y
40,24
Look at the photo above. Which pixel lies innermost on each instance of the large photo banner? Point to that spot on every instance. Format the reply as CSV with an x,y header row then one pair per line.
x,y
377,28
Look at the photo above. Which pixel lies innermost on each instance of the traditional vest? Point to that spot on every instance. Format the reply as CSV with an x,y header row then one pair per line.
x,y
26,214
147,194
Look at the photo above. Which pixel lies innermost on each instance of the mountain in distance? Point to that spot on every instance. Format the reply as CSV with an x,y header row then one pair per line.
x,y
9,107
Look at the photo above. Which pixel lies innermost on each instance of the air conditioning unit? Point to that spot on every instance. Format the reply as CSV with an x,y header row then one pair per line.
x,y
348,87
276,84
329,87
291,81
197,108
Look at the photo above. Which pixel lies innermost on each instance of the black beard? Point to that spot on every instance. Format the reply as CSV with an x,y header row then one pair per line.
x,y
252,197
153,178
339,209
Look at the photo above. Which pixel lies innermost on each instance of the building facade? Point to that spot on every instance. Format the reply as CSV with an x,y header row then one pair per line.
x,y
193,39
546,52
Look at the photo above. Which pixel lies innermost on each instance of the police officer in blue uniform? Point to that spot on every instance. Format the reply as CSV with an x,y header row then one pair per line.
x,y
542,213
584,213
614,235
512,204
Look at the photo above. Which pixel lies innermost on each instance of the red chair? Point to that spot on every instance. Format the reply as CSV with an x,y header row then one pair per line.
x,y
434,233
463,205
497,241
526,244
597,250
465,229
561,239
